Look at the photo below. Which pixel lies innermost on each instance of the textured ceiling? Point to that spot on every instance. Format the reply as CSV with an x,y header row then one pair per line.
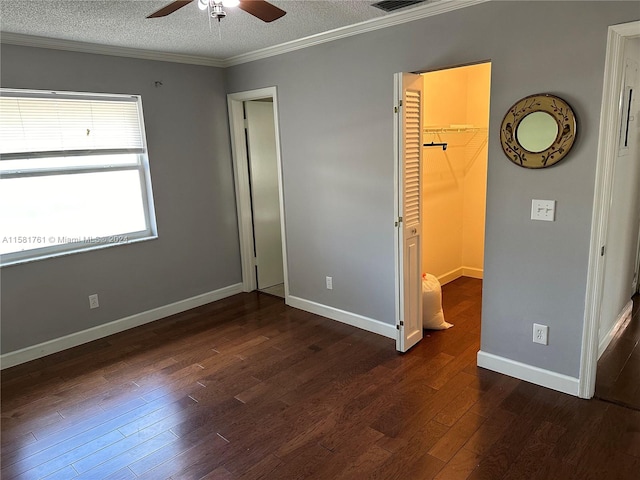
x,y
122,23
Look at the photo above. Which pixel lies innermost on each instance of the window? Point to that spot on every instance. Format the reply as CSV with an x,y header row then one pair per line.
x,y
74,173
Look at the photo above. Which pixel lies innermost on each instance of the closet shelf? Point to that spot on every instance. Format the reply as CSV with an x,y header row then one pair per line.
x,y
473,142
454,129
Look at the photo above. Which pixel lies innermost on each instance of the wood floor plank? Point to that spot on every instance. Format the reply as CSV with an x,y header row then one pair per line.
x,y
169,459
261,470
618,374
303,465
248,388
456,437
122,474
219,473
63,474
460,466
72,435
42,464
140,443
366,464
490,431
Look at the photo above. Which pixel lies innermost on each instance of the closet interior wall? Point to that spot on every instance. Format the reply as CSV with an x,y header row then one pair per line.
x,y
456,112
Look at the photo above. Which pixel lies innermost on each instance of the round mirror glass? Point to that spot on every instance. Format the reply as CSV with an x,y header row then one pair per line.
x,y
537,131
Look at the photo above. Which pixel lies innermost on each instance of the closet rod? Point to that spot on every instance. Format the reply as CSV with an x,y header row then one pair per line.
x,y
432,144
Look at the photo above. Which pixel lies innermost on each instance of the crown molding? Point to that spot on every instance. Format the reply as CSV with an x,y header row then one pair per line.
x,y
82,47
427,10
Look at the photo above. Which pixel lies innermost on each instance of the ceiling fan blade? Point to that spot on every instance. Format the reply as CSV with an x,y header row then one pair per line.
x,y
168,9
262,10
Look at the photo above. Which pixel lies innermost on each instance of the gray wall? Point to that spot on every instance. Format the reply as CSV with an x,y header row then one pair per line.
x,y
197,249
335,104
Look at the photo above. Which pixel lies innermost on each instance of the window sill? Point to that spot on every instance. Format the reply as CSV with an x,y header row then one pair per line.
x,y
83,249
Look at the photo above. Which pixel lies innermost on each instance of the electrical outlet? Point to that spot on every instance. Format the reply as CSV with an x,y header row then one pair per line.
x,y
93,301
540,334
329,283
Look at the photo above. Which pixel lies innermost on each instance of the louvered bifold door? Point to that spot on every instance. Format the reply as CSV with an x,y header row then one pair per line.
x,y
410,226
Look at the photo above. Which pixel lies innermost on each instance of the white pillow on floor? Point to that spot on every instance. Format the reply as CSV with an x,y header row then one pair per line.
x,y
432,314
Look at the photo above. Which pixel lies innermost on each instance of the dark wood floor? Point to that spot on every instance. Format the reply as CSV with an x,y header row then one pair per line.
x,y
618,376
247,388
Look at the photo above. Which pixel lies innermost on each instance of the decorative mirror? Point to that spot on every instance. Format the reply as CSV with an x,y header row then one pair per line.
x,y
538,131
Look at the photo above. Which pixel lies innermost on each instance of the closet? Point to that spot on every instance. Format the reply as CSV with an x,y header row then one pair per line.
x,y
455,133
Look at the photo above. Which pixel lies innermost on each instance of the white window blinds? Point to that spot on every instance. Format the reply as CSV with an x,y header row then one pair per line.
x,y
55,125
74,173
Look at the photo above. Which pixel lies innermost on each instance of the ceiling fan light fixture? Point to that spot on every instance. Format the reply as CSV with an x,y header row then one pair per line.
x,y
230,3
260,9
216,10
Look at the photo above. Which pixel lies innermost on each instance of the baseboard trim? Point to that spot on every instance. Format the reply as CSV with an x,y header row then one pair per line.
x,y
353,319
68,341
460,272
450,276
472,272
529,373
620,322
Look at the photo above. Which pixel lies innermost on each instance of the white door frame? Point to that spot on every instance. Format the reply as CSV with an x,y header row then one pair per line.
x,y
636,286
610,117
241,177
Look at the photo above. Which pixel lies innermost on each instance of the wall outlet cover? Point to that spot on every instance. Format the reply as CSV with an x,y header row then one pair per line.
x,y
93,301
540,334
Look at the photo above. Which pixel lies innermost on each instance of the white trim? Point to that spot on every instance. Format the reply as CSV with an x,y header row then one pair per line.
x,y
397,208
450,276
427,10
460,272
97,49
68,341
353,319
241,178
621,321
473,272
529,373
608,138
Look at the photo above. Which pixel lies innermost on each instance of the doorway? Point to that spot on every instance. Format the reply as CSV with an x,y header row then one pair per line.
x,y
611,122
253,119
441,163
621,247
454,174
617,377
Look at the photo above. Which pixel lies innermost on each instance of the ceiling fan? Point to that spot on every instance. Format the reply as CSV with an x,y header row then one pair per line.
x,y
258,8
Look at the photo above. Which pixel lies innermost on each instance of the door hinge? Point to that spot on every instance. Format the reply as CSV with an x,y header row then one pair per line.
x,y
397,109
401,325
246,124
255,261
398,222
602,251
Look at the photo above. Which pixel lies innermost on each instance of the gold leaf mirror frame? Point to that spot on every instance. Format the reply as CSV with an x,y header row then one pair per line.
x,y
538,131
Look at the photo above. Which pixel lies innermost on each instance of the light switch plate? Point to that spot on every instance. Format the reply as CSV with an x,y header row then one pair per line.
x,y
543,210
